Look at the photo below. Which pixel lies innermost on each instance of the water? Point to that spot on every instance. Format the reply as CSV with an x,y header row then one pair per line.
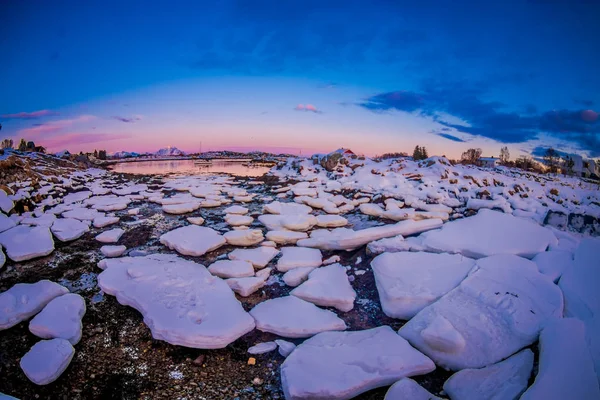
x,y
187,167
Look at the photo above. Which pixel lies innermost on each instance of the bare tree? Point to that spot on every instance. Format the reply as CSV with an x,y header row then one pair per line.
x,y
7,144
471,156
524,162
568,165
504,155
551,159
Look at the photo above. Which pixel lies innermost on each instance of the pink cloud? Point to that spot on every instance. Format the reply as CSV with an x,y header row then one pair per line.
x,y
70,140
30,115
52,126
308,107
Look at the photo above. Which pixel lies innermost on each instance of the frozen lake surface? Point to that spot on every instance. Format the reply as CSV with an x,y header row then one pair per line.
x,y
187,167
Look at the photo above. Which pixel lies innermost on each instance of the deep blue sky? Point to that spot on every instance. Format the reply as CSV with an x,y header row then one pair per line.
x,y
377,76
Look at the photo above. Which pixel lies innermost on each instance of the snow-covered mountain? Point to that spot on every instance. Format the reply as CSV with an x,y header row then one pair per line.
x,y
170,151
125,154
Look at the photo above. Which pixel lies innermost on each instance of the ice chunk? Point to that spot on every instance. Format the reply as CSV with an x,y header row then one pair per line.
x,y
2,258
292,317
231,269
101,222
554,263
277,207
262,348
489,233
24,243
193,240
67,229
6,203
408,282
245,286
110,236
238,220
408,389
61,318
285,347
182,303
505,380
113,251
47,360
83,214
195,220
566,370
258,257
329,287
24,300
300,222
294,257
181,208
236,210
5,222
285,237
342,365
496,311
248,237
296,276
331,221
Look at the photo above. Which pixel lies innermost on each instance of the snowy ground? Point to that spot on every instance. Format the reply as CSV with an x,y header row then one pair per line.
x,y
472,258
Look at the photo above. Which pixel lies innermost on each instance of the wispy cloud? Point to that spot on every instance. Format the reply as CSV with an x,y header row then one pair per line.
x,y
308,107
128,119
68,139
53,126
30,115
451,137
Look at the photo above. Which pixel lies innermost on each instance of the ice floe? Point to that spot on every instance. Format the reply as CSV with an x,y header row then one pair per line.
x,y
329,287
47,360
24,243
248,237
258,257
112,251
193,240
61,318
231,269
295,257
110,236
68,229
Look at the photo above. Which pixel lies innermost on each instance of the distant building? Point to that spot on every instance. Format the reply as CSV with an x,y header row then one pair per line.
x,y
584,167
489,162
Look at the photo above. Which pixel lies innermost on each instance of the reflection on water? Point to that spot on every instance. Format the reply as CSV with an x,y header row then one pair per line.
x,y
187,167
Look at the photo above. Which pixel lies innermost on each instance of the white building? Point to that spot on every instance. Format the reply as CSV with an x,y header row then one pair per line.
x,y
489,162
584,167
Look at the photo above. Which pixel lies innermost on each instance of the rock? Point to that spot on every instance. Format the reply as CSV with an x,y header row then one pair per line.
x,y
566,369
505,380
113,251
252,361
68,229
408,389
101,222
245,286
61,318
231,269
182,303
342,365
489,233
195,220
47,360
110,236
329,287
296,276
258,257
285,347
193,240
24,300
291,317
296,257
244,238
285,237
496,311
408,282
262,348
24,243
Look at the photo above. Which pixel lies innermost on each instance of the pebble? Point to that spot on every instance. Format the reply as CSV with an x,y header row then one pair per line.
x,y
252,361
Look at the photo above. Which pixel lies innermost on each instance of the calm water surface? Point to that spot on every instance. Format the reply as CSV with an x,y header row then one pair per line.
x,y
187,167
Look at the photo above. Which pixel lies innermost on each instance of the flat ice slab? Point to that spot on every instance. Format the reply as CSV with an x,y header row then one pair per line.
x,y
231,269
24,300
238,210
67,229
6,223
112,251
331,221
496,311
262,348
101,222
248,237
554,263
292,317
408,389
245,286
61,318
329,287
182,303
296,257
408,282
193,240
342,365
195,220
24,243
566,369
258,257
277,207
110,236
489,233
286,237
47,360
505,380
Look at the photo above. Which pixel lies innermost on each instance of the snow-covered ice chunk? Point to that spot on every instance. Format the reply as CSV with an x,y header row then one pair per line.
x,y
331,221
554,263
193,240
110,236
26,299
61,318
277,207
342,365
112,251
295,257
24,243
83,214
408,282
6,223
47,360
285,347
258,257
248,237
299,222
239,210
262,348
101,222
182,303
133,211
580,286
195,220
505,380
6,203
181,208
408,389
489,233
395,244
231,269
296,276
77,197
292,317
238,220
566,369
285,237
2,258
67,229
497,310
347,239
245,286
329,287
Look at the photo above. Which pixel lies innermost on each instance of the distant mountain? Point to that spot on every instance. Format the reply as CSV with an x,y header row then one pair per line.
x,y
169,151
125,154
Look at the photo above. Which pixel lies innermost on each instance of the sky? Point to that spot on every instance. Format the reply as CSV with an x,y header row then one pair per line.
x,y
302,77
